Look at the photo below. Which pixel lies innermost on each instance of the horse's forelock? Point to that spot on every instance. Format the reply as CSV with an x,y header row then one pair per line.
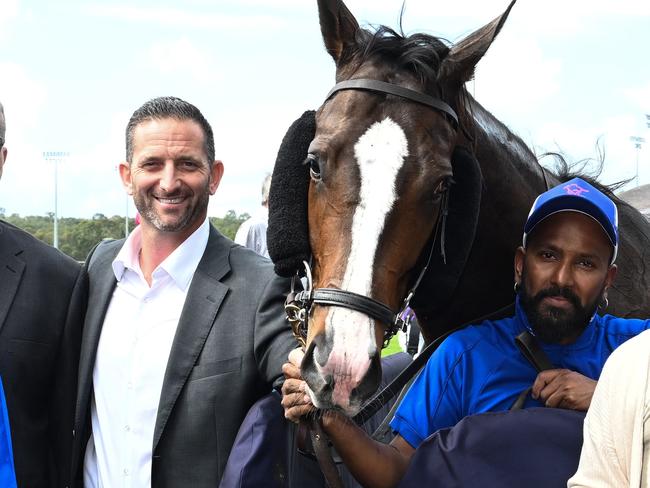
x,y
418,54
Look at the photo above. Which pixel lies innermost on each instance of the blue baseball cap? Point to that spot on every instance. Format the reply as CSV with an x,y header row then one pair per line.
x,y
576,195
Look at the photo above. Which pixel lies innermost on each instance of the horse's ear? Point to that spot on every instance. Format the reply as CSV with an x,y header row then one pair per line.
x,y
458,66
339,28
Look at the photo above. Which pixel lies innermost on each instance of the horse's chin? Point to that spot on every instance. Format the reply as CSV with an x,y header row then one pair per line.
x,y
324,405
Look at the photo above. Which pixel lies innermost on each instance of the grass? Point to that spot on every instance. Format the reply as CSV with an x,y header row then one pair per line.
x,y
392,348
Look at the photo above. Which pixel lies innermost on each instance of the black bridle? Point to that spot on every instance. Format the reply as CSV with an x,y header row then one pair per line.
x,y
299,304
397,90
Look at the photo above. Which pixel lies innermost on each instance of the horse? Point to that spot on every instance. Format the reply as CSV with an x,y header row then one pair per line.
x,y
411,193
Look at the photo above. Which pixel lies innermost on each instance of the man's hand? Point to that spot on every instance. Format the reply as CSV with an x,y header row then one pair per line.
x,y
563,388
295,400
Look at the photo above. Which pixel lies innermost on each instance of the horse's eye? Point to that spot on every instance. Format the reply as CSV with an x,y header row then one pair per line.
x,y
314,167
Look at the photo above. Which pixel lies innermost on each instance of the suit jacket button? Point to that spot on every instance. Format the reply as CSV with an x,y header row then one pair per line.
x,y
73,434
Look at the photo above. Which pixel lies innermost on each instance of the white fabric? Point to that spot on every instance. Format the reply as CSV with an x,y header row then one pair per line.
x,y
132,355
616,429
252,232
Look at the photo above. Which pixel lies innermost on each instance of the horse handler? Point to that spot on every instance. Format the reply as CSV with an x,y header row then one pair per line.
x,y
562,273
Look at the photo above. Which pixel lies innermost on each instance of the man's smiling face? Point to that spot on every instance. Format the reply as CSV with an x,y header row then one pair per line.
x,y
170,177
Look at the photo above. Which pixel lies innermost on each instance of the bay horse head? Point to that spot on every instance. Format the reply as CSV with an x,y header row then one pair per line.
x,y
380,166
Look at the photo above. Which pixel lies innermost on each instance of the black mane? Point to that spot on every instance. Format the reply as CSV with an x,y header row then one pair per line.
x,y
566,171
419,54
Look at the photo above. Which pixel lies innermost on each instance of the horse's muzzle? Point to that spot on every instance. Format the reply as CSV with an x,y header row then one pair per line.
x,y
339,385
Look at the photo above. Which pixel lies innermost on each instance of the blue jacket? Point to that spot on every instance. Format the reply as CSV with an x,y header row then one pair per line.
x,y
480,369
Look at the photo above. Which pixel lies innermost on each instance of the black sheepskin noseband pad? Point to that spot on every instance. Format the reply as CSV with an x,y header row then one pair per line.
x,y
288,232
441,279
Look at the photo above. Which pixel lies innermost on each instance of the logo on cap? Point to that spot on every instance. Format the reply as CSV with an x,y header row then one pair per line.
x,y
575,189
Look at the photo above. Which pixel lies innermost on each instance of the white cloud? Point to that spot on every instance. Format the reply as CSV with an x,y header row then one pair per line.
x,y
640,95
8,13
92,174
612,134
248,147
516,77
296,4
183,56
23,98
183,18
549,10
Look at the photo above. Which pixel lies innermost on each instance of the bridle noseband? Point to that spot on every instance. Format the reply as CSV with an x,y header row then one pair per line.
x,y
299,304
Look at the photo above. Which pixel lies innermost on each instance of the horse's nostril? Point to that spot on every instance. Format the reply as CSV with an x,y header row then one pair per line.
x,y
309,370
320,350
328,386
370,382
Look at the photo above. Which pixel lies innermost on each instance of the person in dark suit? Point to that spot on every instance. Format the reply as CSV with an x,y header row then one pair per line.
x,y
41,310
185,329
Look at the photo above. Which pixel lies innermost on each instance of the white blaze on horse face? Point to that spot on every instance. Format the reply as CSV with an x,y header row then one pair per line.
x,y
380,153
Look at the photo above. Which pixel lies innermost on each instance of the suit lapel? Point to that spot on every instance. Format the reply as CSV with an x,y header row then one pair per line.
x,y
11,273
103,283
204,298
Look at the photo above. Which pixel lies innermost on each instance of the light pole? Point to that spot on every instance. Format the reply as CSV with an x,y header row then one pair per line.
x,y
56,157
638,141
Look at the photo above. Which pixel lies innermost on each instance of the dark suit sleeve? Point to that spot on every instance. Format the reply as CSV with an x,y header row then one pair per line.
x,y
273,338
62,401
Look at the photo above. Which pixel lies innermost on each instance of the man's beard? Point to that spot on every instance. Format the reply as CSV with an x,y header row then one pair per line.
x,y
553,325
145,208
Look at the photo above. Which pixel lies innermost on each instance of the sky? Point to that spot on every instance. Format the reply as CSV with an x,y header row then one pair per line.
x,y
563,75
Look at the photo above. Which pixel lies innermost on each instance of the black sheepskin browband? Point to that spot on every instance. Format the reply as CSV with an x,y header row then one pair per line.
x,y
288,230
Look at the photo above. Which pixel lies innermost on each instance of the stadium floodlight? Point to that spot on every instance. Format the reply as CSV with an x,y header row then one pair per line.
x,y
638,141
56,157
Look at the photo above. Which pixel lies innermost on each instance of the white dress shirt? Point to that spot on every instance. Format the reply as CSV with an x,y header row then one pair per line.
x,y
132,355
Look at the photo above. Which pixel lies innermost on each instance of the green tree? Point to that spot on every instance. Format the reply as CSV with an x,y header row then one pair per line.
x,y
78,236
229,223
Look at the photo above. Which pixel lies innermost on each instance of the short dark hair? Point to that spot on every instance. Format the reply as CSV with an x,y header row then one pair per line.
x,y
165,108
3,125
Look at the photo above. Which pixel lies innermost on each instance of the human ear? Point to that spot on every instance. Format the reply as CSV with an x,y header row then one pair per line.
x,y
125,174
520,255
216,173
611,276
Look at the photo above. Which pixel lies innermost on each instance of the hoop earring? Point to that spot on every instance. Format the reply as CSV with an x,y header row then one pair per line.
x,y
604,302
516,287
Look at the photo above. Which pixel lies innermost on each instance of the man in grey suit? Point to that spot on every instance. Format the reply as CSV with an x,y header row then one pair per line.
x,y
185,329
41,307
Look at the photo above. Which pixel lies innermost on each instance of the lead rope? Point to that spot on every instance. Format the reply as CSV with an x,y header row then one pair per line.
x,y
323,453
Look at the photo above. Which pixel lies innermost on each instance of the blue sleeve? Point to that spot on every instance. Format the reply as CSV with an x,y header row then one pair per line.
x,y
434,401
7,473
618,330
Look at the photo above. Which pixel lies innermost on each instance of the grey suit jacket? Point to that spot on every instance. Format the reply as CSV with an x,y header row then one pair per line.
x,y
42,296
230,344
